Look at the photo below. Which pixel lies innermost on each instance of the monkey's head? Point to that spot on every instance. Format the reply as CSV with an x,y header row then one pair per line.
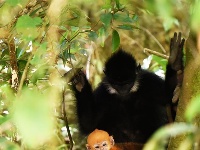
x,y
121,73
99,140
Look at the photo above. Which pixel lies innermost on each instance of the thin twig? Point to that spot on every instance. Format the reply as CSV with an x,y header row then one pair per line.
x,y
24,75
153,37
156,53
66,121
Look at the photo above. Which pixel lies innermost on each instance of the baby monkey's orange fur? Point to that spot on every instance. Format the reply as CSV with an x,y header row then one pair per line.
x,y
101,140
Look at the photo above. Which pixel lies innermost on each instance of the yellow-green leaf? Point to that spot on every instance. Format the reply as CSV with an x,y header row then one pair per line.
x,y
115,40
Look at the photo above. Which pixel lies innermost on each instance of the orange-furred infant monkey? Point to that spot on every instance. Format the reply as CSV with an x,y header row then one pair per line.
x,y
100,140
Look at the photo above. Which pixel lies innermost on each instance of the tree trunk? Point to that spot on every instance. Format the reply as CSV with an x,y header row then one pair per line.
x,y
190,89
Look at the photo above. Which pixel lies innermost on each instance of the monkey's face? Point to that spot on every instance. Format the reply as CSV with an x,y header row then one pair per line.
x,y
104,145
121,73
122,81
122,88
99,140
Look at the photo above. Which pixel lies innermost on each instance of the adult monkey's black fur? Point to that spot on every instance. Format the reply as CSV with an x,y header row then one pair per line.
x,y
129,103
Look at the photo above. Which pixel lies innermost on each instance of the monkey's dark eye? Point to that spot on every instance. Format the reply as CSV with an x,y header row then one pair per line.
x,y
97,147
104,144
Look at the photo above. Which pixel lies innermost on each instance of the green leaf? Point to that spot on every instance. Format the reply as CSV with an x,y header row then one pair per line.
x,y
122,17
20,52
4,53
162,62
3,119
28,22
16,2
102,35
8,92
3,64
68,55
125,27
106,19
93,35
135,18
27,26
21,64
117,4
115,40
107,4
38,74
75,29
38,57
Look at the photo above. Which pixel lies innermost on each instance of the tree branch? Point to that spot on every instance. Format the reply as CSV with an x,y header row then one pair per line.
x,y
156,53
66,121
13,63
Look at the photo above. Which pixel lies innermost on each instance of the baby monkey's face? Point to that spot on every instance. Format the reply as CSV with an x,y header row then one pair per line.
x,y
99,140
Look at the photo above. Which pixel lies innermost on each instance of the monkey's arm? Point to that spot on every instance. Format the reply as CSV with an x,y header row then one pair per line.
x,y
85,102
175,68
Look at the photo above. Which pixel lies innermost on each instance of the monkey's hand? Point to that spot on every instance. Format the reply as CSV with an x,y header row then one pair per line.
x,y
176,62
176,52
78,81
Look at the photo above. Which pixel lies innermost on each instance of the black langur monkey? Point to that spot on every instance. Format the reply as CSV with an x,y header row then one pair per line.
x,y
129,103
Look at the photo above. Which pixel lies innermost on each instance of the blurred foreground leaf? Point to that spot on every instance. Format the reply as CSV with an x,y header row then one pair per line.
x,y
195,15
32,115
160,138
7,145
193,109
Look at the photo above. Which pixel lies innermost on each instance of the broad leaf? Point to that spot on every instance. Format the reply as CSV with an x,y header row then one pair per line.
x,y
27,26
125,27
106,19
102,35
93,35
115,40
